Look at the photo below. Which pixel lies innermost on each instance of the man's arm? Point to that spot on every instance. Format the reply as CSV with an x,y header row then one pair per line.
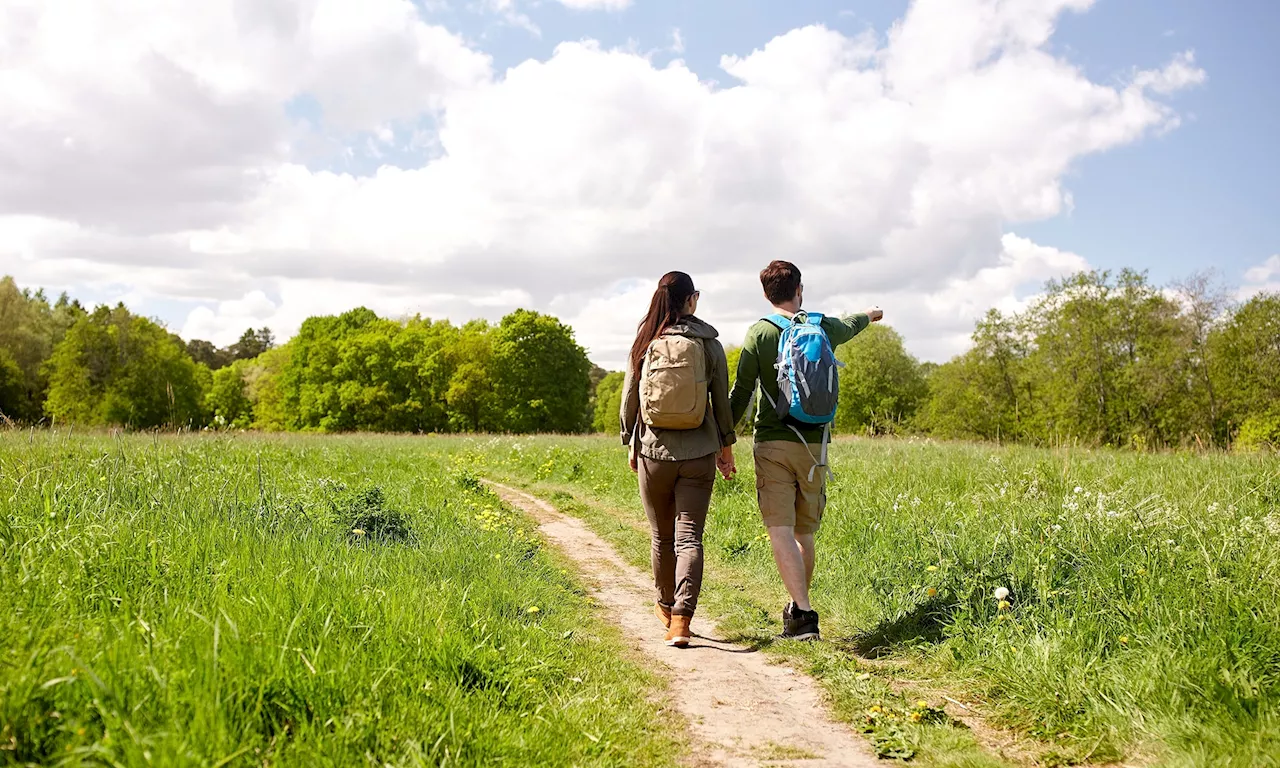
x,y
842,329
744,382
720,408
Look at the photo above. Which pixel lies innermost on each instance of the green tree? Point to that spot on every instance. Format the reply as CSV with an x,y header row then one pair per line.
x,y
228,402
987,392
541,375
880,386
470,397
1102,358
206,354
608,403
1108,362
12,389
310,380
1205,302
596,376
262,378
1245,367
959,401
357,371
117,368
29,330
251,344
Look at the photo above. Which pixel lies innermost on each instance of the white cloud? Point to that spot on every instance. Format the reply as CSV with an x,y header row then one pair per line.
x,y
510,14
1264,277
596,5
225,324
1181,73
146,149
154,116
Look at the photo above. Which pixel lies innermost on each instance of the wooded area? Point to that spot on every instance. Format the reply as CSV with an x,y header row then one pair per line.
x,y
1099,358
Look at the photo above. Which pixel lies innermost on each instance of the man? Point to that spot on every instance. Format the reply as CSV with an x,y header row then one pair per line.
x,y
791,494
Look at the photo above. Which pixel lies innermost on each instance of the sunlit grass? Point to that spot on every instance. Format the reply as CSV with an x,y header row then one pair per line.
x,y
1141,615
292,601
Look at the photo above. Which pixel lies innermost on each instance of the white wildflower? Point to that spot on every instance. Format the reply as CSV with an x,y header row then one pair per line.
x,y
1001,593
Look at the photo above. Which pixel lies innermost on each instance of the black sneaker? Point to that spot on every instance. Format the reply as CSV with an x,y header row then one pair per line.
x,y
798,624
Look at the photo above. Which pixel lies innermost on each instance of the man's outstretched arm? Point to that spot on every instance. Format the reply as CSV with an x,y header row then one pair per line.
x,y
842,329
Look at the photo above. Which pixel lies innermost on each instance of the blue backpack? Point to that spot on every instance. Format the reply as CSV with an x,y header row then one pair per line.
x,y
808,378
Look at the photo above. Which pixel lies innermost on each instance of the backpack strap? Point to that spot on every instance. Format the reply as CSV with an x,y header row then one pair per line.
x,y
782,321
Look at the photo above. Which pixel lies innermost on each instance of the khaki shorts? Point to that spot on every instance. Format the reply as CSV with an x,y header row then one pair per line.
x,y
787,497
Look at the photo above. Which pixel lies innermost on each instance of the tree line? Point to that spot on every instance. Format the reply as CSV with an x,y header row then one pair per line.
x,y
61,363
1100,358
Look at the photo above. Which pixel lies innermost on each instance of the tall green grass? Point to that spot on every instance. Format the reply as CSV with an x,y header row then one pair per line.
x,y
292,601
1143,617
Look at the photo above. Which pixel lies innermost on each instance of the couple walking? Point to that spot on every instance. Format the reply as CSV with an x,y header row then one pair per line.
x,y
679,416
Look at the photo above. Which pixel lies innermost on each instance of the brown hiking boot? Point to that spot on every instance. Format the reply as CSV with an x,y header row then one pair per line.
x,y
679,634
663,613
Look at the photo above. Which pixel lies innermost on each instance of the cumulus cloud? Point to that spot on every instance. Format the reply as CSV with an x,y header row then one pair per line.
x,y
152,116
1264,277
890,172
596,5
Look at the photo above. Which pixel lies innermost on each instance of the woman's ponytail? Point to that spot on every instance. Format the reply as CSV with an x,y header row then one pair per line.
x,y
665,308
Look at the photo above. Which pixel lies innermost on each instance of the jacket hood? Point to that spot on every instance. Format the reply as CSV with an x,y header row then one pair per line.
x,y
694,328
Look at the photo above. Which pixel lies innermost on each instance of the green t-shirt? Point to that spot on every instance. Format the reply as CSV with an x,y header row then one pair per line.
x,y
759,353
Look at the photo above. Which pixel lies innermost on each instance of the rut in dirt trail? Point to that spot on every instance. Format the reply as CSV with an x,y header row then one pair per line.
x,y
743,711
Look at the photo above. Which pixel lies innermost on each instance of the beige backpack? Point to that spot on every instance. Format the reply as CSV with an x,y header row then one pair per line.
x,y
673,383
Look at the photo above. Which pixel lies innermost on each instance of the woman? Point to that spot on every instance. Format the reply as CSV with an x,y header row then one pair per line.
x,y
676,442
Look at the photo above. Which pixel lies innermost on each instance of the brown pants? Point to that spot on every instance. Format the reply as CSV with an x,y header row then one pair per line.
x,y
676,495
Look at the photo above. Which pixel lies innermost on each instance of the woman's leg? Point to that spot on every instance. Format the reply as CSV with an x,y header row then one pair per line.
x,y
657,492
692,499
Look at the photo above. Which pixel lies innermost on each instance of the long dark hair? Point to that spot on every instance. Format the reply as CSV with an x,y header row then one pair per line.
x,y
665,308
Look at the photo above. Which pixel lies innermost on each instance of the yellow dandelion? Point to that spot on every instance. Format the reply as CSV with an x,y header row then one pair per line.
x,y
1004,605
931,568
916,717
533,609
358,531
932,592
922,704
1124,639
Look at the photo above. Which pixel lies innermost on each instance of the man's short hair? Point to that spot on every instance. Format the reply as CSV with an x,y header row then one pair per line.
x,y
781,281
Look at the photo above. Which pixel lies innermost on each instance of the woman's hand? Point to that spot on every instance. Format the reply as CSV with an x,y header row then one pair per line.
x,y
632,459
725,463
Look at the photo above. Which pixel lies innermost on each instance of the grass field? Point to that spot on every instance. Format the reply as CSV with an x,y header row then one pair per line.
x,y
236,600
1142,620
292,601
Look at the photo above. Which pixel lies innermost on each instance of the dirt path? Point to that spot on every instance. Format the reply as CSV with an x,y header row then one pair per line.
x,y
744,711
